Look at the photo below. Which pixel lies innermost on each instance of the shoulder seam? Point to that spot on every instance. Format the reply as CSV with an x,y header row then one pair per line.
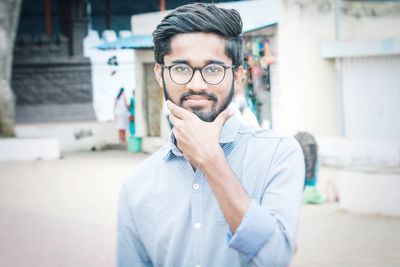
x,y
272,160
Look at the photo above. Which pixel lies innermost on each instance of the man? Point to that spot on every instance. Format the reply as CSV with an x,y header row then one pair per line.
x,y
219,193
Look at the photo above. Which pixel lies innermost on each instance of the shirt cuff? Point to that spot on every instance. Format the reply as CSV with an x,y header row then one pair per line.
x,y
253,232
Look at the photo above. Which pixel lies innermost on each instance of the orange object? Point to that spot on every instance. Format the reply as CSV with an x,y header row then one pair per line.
x,y
162,5
47,10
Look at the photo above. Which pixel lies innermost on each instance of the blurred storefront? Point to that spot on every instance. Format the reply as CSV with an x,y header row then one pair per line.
x,y
260,67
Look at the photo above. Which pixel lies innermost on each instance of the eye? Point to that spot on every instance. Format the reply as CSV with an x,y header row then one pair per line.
x,y
213,69
181,68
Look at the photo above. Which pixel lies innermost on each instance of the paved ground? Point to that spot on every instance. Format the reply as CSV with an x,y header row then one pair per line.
x,y
62,213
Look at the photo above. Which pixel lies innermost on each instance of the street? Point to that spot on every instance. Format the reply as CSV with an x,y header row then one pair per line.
x,y
63,212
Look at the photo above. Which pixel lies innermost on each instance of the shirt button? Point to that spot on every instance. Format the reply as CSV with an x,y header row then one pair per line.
x,y
197,225
197,266
196,186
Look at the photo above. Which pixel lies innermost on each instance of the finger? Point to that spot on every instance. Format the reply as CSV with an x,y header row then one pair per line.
x,y
177,110
177,136
174,120
224,116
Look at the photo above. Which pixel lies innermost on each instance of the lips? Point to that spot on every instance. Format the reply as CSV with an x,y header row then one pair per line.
x,y
197,97
197,101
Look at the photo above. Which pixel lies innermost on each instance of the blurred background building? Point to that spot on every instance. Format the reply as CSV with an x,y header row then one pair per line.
x,y
327,67
340,80
53,78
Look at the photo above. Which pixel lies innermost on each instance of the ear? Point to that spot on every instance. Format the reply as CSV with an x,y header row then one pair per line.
x,y
158,72
238,77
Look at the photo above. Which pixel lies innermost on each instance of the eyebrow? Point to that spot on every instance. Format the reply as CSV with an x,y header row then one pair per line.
x,y
181,61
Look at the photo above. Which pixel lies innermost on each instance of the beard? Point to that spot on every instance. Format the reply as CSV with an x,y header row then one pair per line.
x,y
207,116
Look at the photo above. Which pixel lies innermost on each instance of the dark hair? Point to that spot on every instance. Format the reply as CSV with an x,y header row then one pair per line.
x,y
201,17
120,92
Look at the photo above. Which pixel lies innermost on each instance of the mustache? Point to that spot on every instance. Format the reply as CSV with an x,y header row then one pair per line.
x,y
211,96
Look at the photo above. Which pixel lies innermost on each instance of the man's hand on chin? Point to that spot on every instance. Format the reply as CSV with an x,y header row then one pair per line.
x,y
196,139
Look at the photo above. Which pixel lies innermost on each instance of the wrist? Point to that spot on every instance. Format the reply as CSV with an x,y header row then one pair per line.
x,y
214,158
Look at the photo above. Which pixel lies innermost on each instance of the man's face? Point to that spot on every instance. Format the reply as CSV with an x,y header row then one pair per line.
x,y
197,50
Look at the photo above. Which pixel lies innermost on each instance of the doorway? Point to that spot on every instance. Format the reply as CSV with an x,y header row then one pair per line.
x,y
153,101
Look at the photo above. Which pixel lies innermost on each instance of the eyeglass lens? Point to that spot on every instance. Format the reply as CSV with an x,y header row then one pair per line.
x,y
211,73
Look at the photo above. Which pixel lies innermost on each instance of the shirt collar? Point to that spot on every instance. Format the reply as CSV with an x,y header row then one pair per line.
x,y
228,135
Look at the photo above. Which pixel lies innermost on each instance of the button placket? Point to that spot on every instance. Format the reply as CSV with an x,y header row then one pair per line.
x,y
197,218
197,225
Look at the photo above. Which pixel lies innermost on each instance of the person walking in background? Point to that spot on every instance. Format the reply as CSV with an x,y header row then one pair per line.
x,y
121,115
219,192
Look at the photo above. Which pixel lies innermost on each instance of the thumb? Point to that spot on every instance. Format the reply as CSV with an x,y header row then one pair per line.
x,y
224,116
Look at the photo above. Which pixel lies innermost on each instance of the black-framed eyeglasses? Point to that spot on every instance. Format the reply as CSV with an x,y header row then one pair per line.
x,y
211,73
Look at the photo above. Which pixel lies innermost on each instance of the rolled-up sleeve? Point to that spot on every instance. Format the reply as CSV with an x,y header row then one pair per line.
x,y
267,232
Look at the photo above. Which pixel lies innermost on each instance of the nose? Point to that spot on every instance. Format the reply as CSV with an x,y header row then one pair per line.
x,y
197,82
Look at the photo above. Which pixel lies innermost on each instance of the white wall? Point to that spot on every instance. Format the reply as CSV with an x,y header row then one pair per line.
x,y
371,97
371,94
367,165
108,79
72,136
366,172
307,100
379,194
29,149
366,21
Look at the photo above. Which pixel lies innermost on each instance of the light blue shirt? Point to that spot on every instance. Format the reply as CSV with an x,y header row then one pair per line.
x,y
168,214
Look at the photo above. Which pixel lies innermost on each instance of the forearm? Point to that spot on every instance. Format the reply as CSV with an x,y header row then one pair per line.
x,y
255,231
270,223
262,238
232,197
